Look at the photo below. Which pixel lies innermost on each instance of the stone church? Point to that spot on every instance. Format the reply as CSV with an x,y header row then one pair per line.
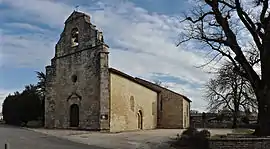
x,y
82,92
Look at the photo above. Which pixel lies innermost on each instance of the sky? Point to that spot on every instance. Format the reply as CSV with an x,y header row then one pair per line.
x,y
142,35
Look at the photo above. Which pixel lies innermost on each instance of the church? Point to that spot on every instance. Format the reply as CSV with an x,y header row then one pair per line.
x,y
83,92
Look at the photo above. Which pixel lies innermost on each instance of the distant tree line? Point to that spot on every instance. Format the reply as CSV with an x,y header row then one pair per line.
x,y
21,107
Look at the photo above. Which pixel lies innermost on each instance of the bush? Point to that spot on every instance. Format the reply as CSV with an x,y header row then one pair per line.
x,y
193,139
190,132
245,120
204,134
34,124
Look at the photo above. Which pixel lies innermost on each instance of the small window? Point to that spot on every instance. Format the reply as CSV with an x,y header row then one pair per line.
x,y
161,105
74,37
187,110
74,78
153,108
132,103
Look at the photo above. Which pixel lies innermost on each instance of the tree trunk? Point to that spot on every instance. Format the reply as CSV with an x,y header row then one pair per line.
x,y
263,128
263,90
235,116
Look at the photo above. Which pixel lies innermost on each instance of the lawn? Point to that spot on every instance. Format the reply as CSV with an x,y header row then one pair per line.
x,y
243,131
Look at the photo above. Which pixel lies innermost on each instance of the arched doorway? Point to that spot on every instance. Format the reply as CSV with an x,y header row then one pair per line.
x,y
140,119
74,116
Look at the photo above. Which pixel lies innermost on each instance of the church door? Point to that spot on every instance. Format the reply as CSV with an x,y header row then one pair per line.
x,y
140,119
74,115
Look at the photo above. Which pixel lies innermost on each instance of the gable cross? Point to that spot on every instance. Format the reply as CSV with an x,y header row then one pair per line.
x,y
77,7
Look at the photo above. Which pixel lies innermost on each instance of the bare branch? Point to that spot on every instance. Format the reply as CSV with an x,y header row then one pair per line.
x,y
227,4
249,24
264,10
200,18
228,89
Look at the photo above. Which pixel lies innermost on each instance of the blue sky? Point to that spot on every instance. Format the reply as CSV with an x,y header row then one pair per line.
x,y
141,35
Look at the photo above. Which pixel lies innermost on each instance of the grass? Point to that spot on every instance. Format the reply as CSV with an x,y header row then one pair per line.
x,y
243,131
238,131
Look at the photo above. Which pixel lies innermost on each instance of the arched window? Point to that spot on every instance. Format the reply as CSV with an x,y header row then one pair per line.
x,y
140,119
74,37
132,103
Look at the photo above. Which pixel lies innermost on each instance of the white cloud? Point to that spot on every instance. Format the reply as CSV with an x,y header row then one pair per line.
x,y
25,26
48,12
142,43
31,51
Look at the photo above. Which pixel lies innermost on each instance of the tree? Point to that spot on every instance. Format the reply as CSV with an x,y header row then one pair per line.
x,y
229,90
26,106
41,83
220,25
22,107
203,118
41,90
10,109
29,104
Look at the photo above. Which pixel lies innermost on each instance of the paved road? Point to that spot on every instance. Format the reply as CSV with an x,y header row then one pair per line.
x,y
19,138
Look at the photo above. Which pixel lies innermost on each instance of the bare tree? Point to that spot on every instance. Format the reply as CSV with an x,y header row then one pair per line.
x,y
229,90
226,27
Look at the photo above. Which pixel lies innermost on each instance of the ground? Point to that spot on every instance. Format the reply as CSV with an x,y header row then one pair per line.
x,y
148,139
20,138
25,138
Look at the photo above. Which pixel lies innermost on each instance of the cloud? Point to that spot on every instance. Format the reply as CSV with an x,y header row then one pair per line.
x,y
142,43
26,50
25,26
47,12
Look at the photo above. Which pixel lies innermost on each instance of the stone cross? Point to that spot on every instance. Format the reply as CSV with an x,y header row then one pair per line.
x,y
77,7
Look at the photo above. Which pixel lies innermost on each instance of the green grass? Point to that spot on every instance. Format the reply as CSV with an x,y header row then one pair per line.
x,y
243,131
218,136
238,131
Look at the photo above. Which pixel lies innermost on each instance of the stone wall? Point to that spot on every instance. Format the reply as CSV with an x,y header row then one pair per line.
x,y
239,143
173,108
200,124
127,99
186,114
78,75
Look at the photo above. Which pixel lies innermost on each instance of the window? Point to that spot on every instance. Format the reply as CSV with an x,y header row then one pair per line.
x,y
161,105
74,78
187,110
187,116
74,37
132,103
153,108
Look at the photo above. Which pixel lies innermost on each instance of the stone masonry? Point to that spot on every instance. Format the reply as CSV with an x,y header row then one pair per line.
x,y
239,143
82,92
78,75
173,108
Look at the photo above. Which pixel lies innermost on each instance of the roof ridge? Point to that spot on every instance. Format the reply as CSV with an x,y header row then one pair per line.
x,y
164,88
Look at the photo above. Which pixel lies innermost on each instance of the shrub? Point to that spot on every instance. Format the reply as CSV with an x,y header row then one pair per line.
x,y
193,139
204,134
34,124
190,132
245,120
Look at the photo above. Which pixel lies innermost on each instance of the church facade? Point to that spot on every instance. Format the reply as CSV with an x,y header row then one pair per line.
x,y
83,92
